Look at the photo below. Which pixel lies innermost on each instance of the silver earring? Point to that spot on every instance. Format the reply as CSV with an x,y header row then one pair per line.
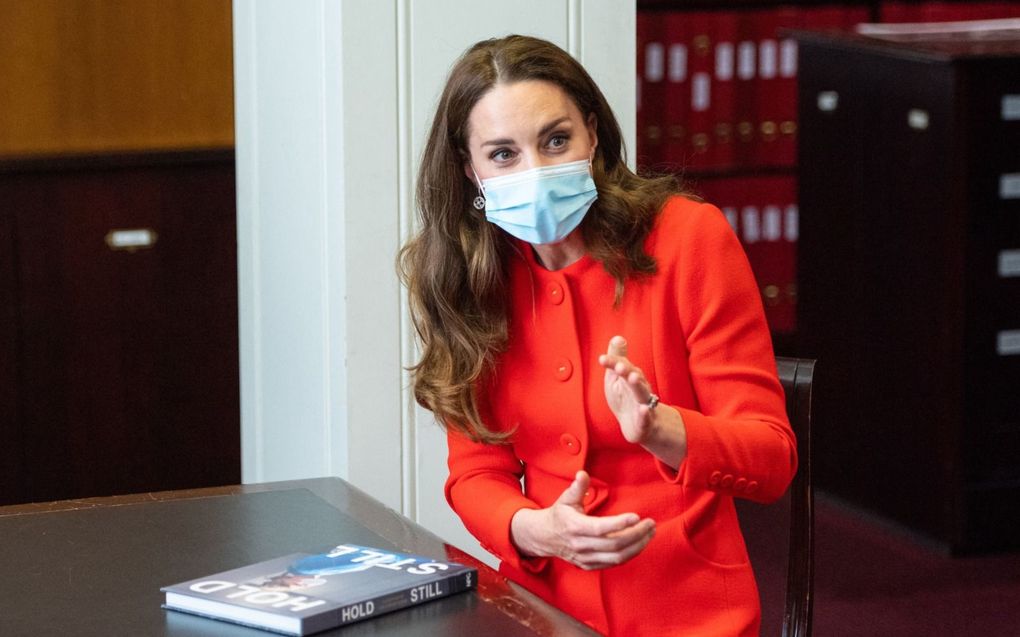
x,y
479,203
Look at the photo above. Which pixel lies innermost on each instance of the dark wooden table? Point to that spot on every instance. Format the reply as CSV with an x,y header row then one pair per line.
x,y
95,566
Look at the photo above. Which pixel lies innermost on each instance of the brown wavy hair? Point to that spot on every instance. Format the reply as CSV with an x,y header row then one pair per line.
x,y
455,267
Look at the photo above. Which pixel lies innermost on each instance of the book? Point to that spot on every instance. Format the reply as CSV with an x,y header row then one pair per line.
x,y
303,593
726,29
700,68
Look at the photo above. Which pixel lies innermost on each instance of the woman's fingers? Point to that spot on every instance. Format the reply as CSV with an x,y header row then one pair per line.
x,y
617,347
606,559
600,551
634,377
581,525
620,540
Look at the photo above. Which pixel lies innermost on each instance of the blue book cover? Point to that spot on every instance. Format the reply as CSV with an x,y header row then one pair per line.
x,y
301,594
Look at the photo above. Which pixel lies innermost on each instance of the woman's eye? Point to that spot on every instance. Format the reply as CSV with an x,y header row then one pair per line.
x,y
502,155
558,141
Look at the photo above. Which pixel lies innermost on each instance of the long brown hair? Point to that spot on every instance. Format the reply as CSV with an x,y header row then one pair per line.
x,y
455,268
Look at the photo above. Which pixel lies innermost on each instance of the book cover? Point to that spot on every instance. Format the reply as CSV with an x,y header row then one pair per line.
x,y
304,593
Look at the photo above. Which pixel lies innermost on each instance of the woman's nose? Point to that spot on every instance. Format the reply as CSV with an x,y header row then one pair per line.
x,y
537,160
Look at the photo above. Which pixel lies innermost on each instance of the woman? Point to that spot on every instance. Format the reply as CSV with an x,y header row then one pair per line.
x,y
598,335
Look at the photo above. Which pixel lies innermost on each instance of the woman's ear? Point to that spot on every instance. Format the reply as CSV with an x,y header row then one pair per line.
x,y
470,173
592,125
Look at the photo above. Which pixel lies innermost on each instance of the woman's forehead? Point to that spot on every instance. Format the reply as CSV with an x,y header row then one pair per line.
x,y
520,107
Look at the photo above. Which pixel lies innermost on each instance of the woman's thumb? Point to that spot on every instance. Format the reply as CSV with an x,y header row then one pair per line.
x,y
574,495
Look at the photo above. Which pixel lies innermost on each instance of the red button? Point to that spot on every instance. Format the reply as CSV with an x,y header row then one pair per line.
x,y
740,484
564,369
555,293
727,481
714,478
752,486
570,444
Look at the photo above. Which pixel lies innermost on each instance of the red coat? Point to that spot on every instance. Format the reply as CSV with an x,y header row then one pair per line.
x,y
697,330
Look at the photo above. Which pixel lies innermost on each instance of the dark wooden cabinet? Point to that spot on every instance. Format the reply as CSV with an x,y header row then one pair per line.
x,y
904,146
119,367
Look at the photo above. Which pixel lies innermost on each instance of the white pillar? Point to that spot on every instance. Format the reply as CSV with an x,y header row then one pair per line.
x,y
333,101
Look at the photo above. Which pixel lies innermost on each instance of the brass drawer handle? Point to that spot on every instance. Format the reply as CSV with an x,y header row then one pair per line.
x,y
131,240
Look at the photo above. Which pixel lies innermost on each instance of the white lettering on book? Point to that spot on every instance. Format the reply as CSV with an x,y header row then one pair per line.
x,y
395,566
254,595
368,554
379,559
428,568
212,586
425,591
357,611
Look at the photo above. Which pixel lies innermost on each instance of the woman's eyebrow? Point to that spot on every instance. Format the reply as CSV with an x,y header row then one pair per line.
x,y
506,141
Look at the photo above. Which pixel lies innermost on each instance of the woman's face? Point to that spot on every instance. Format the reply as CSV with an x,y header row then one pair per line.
x,y
526,125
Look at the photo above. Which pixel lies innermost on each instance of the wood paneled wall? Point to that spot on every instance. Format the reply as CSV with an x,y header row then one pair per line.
x,y
83,76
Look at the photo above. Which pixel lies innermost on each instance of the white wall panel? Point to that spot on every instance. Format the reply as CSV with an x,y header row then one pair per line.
x,y
283,259
333,101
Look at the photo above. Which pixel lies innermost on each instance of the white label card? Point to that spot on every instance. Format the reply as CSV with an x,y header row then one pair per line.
x,y
828,101
677,63
788,58
750,224
1009,263
1007,343
724,60
772,224
1010,108
1009,186
655,63
791,228
731,217
130,239
701,92
918,119
767,59
746,55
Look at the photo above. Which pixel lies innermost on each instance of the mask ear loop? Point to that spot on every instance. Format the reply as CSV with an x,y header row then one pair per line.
x,y
479,201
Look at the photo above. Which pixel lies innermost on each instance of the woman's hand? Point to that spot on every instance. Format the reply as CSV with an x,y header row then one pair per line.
x,y
660,430
564,531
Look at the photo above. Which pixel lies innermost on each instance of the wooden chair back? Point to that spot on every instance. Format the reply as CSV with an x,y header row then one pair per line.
x,y
771,551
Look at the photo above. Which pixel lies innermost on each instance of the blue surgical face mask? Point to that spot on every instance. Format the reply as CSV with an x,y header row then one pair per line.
x,y
541,205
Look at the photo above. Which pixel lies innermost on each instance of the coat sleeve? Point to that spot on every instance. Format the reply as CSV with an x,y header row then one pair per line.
x,y
484,489
739,440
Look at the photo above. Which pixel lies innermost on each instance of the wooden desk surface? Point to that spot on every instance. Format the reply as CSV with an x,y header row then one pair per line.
x,y
95,566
